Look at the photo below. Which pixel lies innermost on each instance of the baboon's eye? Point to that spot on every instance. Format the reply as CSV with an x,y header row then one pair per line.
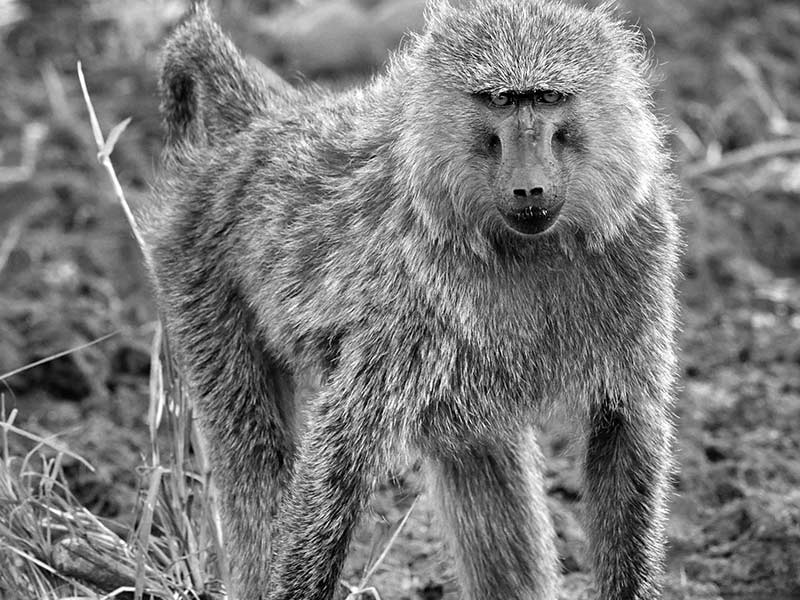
x,y
501,99
549,96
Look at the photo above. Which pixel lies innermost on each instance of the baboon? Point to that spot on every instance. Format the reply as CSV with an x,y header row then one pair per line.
x,y
483,232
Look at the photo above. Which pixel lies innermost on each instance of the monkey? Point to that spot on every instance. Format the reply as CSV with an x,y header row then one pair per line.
x,y
483,232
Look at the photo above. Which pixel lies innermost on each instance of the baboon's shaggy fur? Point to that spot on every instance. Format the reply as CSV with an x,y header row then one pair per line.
x,y
361,234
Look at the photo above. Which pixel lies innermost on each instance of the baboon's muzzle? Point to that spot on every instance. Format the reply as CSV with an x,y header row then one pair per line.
x,y
528,177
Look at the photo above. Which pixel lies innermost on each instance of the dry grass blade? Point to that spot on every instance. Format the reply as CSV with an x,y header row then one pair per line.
x,y
145,526
96,131
53,357
7,427
155,409
112,138
361,589
389,545
104,155
56,94
9,242
356,592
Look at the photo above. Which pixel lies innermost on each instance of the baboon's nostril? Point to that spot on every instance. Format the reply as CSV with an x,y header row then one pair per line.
x,y
533,192
494,143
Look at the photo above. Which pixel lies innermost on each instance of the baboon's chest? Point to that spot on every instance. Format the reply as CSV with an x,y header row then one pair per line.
x,y
555,334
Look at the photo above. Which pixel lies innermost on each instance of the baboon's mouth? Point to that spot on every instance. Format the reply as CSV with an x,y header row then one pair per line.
x,y
531,220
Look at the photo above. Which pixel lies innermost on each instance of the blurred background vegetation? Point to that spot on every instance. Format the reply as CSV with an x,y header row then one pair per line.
x,y
70,271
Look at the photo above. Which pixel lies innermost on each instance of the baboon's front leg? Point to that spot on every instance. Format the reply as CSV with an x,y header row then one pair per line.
x,y
493,502
332,481
626,472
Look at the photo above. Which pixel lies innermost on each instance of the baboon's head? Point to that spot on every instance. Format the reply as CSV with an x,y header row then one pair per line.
x,y
531,117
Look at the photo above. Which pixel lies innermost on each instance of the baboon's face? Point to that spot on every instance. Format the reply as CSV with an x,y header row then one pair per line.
x,y
534,117
525,137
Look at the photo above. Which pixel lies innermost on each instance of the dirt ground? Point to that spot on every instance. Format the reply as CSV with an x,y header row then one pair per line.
x,y
70,271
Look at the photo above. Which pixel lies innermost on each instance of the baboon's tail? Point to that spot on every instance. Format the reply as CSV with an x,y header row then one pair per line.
x,y
208,91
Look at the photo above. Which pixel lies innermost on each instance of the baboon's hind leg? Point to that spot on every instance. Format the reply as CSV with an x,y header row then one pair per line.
x,y
245,400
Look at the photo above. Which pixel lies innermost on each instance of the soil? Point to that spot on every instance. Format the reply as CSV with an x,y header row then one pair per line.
x,y
70,272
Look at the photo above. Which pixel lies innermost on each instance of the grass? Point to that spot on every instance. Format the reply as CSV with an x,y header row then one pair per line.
x,y
53,547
